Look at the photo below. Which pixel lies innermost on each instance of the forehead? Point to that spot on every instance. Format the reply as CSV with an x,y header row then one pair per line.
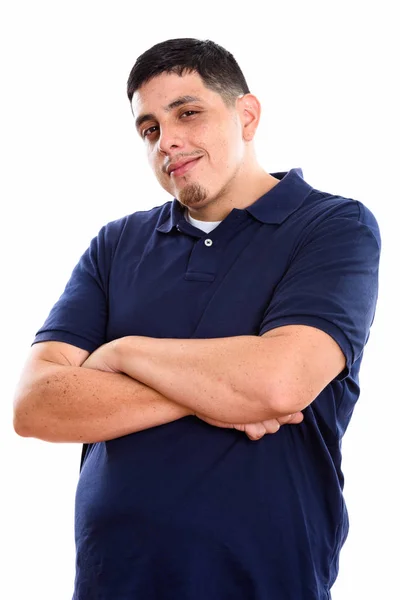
x,y
158,93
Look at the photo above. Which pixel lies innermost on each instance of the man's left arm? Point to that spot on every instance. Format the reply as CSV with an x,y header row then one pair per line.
x,y
242,379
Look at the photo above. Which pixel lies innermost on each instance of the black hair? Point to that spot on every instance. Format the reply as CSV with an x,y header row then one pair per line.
x,y
216,66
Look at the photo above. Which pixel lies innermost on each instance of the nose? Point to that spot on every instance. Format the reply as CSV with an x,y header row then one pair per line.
x,y
169,139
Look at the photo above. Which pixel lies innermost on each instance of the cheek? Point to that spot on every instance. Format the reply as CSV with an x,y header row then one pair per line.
x,y
156,166
222,153
223,142
153,159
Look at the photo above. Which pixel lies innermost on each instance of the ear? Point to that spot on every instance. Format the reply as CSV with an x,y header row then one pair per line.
x,y
249,109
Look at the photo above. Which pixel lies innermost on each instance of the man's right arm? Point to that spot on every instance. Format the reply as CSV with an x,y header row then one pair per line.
x,y
58,401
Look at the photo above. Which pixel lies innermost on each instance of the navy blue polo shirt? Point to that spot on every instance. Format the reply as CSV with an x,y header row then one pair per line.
x,y
187,511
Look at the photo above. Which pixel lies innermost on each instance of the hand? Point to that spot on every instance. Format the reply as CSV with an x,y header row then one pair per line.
x,y
105,358
255,431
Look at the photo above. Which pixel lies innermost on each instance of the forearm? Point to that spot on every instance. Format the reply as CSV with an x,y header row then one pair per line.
x,y
74,404
223,378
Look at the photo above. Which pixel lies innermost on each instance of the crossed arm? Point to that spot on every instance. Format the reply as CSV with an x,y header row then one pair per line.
x,y
137,382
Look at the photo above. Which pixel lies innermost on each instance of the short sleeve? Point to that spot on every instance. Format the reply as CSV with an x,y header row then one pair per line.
x,y
332,284
79,317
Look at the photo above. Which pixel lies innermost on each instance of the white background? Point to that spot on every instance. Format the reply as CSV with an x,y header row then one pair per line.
x,y
326,75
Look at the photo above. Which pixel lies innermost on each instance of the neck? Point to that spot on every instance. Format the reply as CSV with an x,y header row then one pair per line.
x,y
244,189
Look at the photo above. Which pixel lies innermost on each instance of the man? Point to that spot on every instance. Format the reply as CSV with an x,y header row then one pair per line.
x,y
240,307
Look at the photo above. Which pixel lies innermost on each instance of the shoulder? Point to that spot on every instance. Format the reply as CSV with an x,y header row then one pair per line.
x,y
132,227
325,210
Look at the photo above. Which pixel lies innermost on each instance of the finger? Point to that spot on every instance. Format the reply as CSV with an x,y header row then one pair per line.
x,y
286,419
271,425
293,418
296,418
255,431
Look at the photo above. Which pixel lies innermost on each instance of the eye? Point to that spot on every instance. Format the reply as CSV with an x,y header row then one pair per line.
x,y
190,112
149,130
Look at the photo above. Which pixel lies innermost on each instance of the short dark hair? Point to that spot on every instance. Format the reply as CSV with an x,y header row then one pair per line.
x,y
216,66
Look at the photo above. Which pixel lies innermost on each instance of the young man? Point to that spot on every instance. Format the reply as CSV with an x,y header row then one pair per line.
x,y
242,305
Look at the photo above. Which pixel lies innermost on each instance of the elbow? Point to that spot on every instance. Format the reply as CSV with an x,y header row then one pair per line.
x,y
20,422
283,400
33,399
25,412
22,414
21,430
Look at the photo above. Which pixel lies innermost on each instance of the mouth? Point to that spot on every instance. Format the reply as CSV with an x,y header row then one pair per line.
x,y
184,168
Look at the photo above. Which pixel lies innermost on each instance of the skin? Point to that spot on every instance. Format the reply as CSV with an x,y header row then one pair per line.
x,y
176,369
227,174
117,392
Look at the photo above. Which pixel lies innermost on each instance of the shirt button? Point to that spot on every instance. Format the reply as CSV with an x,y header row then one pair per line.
x,y
208,242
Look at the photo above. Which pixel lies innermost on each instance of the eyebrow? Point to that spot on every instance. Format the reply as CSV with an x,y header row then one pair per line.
x,y
174,104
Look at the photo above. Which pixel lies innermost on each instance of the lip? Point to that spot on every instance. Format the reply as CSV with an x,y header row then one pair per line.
x,y
184,168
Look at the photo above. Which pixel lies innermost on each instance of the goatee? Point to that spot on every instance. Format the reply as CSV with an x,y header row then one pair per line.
x,y
193,194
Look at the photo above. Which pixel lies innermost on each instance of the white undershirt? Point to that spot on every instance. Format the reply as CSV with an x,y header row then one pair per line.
x,y
205,226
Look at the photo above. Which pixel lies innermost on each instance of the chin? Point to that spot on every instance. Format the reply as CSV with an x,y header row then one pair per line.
x,y
192,194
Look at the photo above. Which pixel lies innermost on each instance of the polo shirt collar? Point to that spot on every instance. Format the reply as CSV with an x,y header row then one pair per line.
x,y
273,207
283,199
